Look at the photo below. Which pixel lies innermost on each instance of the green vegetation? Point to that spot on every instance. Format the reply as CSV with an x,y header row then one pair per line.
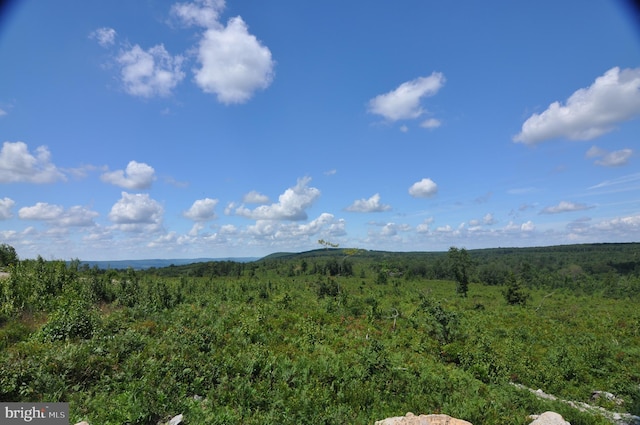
x,y
330,336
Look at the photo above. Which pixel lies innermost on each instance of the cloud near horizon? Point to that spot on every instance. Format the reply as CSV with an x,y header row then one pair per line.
x,y
136,213
589,112
291,205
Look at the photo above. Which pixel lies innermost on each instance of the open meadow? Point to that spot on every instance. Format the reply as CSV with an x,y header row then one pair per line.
x,y
329,337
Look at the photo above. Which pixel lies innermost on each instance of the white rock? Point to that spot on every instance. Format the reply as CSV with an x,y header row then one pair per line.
x,y
176,420
549,418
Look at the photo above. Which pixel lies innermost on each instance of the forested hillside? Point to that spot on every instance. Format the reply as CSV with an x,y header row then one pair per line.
x,y
331,336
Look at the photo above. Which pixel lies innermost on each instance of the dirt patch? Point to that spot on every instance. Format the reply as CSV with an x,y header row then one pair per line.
x,y
4,275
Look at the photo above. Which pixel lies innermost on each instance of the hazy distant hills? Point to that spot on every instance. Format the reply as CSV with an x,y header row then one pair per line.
x,y
159,263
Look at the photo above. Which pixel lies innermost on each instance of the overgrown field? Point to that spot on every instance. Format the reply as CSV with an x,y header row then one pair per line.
x,y
292,342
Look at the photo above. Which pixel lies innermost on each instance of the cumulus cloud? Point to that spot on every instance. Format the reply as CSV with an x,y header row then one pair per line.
x,y
589,112
234,64
609,159
425,188
231,62
136,176
291,204
18,165
528,226
204,13
326,224
202,210
75,216
424,227
104,36
368,205
488,219
255,197
149,73
564,206
403,103
136,213
6,204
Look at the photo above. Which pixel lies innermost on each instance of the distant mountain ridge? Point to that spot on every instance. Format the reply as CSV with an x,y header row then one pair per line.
x,y
158,262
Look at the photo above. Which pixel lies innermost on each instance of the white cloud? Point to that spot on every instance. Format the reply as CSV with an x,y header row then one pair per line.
x,y
620,224
75,216
255,197
424,226
326,224
564,206
6,204
204,13
444,229
615,158
233,63
589,112
2,112
149,73
202,210
136,176
40,211
488,219
425,188
291,204
404,102
610,159
368,205
136,213
528,226
104,36
18,165
431,123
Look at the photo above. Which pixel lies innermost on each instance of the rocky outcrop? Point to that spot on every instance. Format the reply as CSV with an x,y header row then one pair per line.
x,y
411,419
548,418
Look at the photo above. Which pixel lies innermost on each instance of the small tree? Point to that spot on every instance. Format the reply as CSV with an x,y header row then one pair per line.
x,y
460,265
8,255
515,293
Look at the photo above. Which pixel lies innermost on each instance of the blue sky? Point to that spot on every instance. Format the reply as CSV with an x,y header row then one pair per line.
x,y
137,129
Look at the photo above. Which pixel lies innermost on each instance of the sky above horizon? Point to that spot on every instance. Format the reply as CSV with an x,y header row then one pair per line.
x,y
212,128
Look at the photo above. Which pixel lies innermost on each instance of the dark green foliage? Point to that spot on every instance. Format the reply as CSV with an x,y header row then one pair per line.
x,y
460,265
515,293
8,255
261,347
